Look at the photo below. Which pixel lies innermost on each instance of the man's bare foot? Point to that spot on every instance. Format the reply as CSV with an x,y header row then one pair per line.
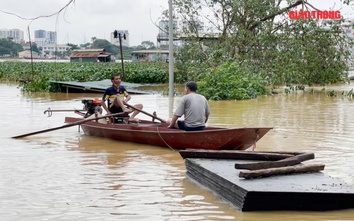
x,y
134,120
128,111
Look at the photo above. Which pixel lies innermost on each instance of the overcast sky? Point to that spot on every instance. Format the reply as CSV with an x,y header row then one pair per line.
x,y
86,18
98,18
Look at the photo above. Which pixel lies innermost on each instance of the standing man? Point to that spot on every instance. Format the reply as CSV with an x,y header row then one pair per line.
x,y
195,109
117,96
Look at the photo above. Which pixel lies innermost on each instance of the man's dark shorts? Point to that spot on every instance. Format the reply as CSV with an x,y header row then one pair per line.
x,y
182,126
115,110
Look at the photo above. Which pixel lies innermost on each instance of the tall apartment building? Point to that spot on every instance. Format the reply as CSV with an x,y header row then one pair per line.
x,y
125,42
43,37
15,35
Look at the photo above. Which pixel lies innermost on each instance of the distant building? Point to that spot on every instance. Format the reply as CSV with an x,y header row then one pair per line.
x,y
163,37
15,35
27,54
27,45
43,37
51,50
90,55
150,55
40,33
52,37
125,42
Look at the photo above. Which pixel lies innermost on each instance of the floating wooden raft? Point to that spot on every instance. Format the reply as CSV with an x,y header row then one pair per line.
x,y
224,173
272,163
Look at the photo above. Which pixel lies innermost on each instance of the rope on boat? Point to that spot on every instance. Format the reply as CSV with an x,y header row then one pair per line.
x,y
158,131
255,140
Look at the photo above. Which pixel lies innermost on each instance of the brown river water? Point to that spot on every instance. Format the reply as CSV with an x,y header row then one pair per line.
x,y
65,175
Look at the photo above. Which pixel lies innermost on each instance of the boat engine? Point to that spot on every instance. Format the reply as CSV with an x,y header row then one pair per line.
x,y
92,106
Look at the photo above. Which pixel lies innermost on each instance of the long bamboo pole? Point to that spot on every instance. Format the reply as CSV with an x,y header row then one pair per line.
x,y
144,112
67,125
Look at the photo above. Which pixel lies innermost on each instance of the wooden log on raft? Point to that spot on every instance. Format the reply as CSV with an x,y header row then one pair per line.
x,y
290,161
233,154
282,152
281,171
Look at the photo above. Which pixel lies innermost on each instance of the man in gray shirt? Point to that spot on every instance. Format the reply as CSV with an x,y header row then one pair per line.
x,y
195,109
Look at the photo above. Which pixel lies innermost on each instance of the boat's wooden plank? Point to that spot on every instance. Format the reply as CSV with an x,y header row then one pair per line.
x,y
281,171
274,164
233,154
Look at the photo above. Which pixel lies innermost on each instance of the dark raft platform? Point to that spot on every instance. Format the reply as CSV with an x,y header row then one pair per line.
x,y
302,192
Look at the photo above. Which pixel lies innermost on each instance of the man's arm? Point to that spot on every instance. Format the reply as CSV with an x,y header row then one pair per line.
x,y
127,98
173,123
207,111
103,103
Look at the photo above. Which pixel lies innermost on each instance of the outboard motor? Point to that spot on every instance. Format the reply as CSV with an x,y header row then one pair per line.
x,y
92,106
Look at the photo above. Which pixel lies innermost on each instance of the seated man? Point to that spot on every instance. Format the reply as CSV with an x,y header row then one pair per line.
x,y
117,96
195,109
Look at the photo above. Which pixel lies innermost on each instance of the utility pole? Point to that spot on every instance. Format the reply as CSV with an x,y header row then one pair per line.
x,y
171,90
30,42
170,57
119,36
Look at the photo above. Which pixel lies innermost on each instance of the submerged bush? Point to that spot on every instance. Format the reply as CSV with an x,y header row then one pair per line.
x,y
232,82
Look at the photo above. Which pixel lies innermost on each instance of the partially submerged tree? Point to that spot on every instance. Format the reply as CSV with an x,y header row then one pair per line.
x,y
259,35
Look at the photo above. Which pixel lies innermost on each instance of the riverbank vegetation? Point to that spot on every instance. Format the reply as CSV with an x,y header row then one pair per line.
x,y
37,76
261,43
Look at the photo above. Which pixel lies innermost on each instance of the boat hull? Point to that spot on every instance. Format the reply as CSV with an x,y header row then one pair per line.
x,y
212,138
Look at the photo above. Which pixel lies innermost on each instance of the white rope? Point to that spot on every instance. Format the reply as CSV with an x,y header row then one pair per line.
x,y
158,131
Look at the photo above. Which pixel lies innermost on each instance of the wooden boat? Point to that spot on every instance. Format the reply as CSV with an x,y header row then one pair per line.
x,y
158,134
147,132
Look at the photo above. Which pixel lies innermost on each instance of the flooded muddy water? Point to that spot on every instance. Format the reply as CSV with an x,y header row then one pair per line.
x,y
65,175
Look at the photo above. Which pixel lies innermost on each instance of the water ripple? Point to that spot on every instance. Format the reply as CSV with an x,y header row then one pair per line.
x,y
65,175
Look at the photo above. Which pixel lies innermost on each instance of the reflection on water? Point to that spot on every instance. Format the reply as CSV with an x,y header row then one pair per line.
x,y
65,175
135,173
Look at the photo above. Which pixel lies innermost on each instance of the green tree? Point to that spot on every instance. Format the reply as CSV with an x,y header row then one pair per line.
x,y
8,47
86,45
127,53
35,48
259,35
71,48
148,45
102,43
